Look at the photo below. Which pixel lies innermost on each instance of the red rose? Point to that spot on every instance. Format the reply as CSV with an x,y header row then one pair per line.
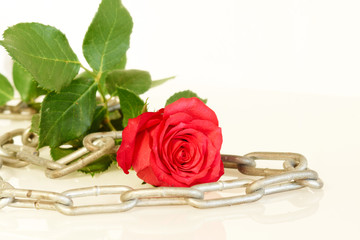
x,y
177,146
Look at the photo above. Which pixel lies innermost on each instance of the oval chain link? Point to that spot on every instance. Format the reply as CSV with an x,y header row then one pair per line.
x,y
98,208
294,175
226,201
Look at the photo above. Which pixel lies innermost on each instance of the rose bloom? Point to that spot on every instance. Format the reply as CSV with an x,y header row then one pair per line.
x,y
177,146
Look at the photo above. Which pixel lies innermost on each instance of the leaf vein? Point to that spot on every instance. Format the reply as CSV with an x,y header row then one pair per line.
x,y
67,110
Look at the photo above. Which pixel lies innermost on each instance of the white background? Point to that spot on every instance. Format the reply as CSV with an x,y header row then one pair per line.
x,y
298,46
281,76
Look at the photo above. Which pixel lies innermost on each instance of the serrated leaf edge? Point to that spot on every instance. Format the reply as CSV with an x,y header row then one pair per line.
x,y
42,58
5,93
52,127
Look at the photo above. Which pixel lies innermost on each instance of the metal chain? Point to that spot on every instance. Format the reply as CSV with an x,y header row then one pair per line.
x,y
18,112
294,175
22,111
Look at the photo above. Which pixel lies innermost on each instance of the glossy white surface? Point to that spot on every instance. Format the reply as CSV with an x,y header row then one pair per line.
x,y
324,129
281,76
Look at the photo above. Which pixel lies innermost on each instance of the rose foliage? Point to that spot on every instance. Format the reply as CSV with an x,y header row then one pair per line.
x,y
176,146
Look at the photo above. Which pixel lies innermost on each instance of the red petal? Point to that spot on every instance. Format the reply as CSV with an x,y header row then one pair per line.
x,y
148,176
214,172
125,154
142,152
192,106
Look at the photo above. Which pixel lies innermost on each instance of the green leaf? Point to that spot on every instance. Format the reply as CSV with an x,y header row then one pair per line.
x,y
100,165
99,115
161,81
96,126
25,84
108,37
114,115
102,83
68,114
131,105
6,90
183,94
122,64
44,51
35,122
58,153
137,81
116,119
85,75
36,105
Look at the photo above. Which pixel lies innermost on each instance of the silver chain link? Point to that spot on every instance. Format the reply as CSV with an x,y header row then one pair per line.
x,y
18,112
294,175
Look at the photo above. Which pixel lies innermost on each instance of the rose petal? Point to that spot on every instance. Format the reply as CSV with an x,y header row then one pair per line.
x,y
165,179
166,148
209,129
176,146
192,106
213,173
205,156
148,176
126,151
204,126
142,151
189,172
150,119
